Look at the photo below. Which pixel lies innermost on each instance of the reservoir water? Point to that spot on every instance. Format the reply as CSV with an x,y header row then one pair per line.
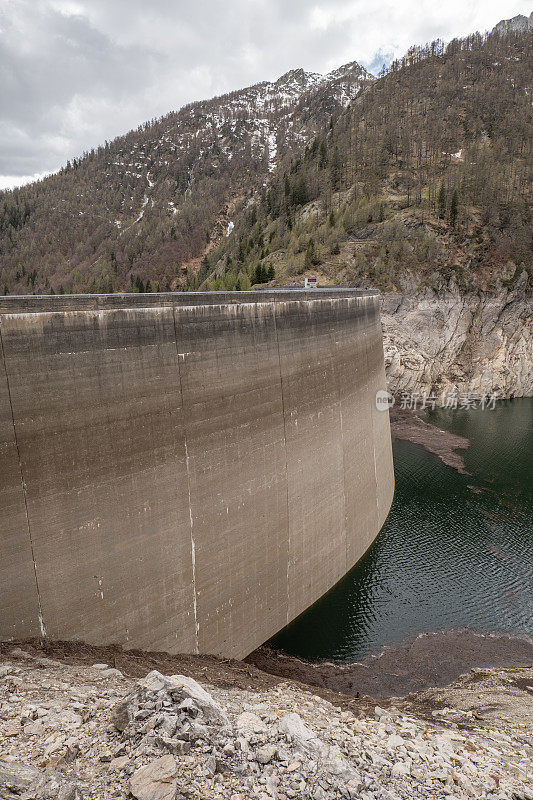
x,y
456,550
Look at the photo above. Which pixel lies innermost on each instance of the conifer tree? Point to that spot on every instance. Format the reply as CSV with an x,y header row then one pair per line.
x,y
454,205
311,255
335,169
442,201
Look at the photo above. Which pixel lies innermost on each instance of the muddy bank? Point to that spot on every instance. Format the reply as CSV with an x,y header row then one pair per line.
x,y
222,673
136,663
422,661
409,425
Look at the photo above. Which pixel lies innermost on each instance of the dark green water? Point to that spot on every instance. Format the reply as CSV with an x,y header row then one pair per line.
x,y
448,555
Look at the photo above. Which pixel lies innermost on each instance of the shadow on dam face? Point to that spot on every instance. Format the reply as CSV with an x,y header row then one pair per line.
x,y
186,472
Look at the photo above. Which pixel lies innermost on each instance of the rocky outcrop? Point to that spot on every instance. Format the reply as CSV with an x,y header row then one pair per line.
x,y
175,714
520,23
449,341
19,781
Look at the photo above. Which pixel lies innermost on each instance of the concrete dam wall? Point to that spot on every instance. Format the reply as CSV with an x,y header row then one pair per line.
x,y
186,472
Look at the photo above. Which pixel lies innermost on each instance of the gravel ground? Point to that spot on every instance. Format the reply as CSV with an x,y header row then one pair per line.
x,y
72,730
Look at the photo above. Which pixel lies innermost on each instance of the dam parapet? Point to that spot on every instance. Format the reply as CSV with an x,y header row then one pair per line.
x,y
186,472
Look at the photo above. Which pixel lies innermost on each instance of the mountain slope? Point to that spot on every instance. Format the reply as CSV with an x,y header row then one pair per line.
x,y
427,173
147,203
423,188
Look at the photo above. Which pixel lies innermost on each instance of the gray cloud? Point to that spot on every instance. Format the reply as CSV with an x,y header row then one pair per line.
x,y
76,72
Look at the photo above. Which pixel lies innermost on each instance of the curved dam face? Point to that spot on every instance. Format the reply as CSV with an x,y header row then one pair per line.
x,y
186,472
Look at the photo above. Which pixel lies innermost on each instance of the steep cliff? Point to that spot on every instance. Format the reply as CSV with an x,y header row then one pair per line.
x,y
477,343
519,23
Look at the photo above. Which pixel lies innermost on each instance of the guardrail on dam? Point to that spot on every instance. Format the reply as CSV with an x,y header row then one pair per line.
x,y
186,472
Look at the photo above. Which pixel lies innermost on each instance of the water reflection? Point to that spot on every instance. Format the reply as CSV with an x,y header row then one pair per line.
x,y
456,550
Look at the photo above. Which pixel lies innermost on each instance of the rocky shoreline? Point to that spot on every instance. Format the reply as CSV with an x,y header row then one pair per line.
x,y
89,730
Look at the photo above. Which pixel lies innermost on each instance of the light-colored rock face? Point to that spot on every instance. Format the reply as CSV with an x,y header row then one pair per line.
x,y
520,23
467,343
155,781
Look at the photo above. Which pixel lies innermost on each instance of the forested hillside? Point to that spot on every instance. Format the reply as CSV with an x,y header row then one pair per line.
x,y
427,173
142,210
424,172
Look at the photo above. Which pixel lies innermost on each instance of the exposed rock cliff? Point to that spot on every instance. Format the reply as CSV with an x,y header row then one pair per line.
x,y
473,343
519,23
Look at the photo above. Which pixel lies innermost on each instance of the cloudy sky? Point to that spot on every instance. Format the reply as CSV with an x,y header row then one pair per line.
x,y
76,72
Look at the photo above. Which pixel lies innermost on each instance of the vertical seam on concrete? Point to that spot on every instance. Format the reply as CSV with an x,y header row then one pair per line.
x,y
336,373
372,401
23,485
343,484
286,459
193,546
